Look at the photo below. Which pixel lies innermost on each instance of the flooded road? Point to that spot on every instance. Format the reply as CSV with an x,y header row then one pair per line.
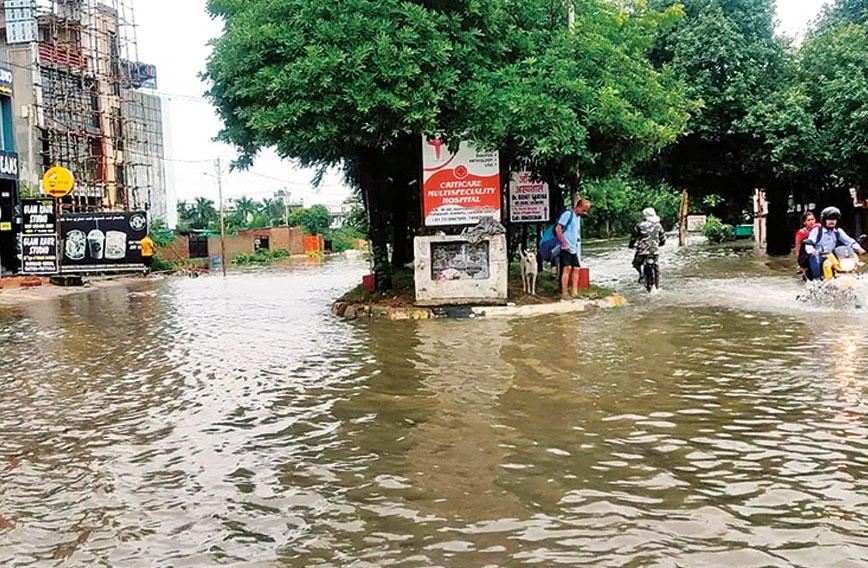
x,y
206,422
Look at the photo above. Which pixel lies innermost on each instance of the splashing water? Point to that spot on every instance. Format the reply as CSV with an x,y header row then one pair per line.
x,y
844,293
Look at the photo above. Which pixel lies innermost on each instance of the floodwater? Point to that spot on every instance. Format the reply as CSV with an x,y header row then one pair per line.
x,y
234,422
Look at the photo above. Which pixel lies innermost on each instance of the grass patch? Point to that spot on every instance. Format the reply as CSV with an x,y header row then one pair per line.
x,y
548,289
402,294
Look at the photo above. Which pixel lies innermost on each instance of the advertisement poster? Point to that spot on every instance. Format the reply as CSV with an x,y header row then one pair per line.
x,y
39,217
528,199
460,261
102,242
460,188
39,254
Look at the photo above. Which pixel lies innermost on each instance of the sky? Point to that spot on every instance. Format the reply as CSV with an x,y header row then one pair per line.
x,y
174,35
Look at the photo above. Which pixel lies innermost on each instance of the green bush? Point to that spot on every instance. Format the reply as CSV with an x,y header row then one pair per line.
x,y
342,239
716,231
159,264
618,202
261,257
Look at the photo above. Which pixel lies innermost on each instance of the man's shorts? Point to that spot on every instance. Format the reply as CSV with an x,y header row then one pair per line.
x,y
569,259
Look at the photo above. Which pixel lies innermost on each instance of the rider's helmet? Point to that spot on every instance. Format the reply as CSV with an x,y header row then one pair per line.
x,y
830,213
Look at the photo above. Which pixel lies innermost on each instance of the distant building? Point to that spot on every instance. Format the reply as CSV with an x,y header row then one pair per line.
x,y
145,152
340,214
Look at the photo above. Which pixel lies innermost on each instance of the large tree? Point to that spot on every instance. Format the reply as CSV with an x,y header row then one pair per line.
x,y
835,68
357,84
728,55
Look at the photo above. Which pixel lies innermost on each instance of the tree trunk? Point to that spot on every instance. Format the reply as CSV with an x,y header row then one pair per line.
x,y
779,240
402,250
373,189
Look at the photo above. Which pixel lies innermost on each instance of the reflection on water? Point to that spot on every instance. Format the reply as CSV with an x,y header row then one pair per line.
x,y
202,422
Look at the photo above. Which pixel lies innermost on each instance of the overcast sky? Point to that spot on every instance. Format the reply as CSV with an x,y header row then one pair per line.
x,y
173,34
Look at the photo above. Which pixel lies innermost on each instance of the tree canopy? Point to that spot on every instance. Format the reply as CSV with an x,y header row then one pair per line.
x,y
359,84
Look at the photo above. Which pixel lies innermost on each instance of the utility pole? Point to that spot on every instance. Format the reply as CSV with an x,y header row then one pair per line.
x,y
219,171
286,205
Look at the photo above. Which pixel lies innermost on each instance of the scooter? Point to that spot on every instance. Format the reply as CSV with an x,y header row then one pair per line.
x,y
843,261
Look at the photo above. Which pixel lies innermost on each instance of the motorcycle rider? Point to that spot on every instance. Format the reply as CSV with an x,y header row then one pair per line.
x,y
823,240
648,236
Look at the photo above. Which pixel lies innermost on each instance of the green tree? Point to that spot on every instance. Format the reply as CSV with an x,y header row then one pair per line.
x,y
273,210
203,214
727,54
835,68
314,220
357,84
245,207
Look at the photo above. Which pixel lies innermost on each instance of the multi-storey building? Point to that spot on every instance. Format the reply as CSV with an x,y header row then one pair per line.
x,y
80,103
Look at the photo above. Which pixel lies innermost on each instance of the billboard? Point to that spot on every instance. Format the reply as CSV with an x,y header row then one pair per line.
x,y
528,199
103,242
459,188
21,25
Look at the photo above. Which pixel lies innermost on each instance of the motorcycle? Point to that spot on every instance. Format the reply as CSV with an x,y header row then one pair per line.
x,y
651,273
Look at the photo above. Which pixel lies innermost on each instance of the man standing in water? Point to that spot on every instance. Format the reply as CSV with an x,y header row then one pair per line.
x,y
569,233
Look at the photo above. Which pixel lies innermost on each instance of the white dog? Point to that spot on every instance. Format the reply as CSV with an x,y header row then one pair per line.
x,y
529,271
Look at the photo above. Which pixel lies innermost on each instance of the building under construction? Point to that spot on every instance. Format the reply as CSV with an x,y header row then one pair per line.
x,y
82,101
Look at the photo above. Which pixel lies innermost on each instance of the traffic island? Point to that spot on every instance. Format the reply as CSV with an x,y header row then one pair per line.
x,y
398,303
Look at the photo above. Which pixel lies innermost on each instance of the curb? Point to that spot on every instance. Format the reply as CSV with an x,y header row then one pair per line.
x,y
365,311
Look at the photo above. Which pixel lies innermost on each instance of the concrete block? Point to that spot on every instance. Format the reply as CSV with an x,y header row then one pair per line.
x,y
451,271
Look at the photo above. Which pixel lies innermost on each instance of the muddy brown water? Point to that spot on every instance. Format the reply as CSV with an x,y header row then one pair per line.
x,y
209,422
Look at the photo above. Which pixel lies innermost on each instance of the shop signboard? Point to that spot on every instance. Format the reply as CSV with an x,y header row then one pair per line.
x,y
8,165
459,188
39,254
38,237
39,217
102,242
528,199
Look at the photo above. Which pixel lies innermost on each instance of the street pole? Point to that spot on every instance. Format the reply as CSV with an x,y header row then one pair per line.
x,y
222,219
286,205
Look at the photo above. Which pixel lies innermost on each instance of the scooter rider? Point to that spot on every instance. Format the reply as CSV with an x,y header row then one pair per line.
x,y
648,236
824,239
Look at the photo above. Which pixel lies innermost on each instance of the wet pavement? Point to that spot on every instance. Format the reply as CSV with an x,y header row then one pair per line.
x,y
204,422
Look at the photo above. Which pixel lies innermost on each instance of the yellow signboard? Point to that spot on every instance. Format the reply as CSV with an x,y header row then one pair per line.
x,y
58,182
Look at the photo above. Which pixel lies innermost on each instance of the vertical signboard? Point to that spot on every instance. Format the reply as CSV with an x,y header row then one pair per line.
x,y
459,188
528,199
103,242
38,237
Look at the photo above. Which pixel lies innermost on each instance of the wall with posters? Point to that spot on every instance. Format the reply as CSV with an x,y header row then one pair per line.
x,y
102,242
450,270
528,199
459,188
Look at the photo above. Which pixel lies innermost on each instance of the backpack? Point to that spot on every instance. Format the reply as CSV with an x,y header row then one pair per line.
x,y
549,245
